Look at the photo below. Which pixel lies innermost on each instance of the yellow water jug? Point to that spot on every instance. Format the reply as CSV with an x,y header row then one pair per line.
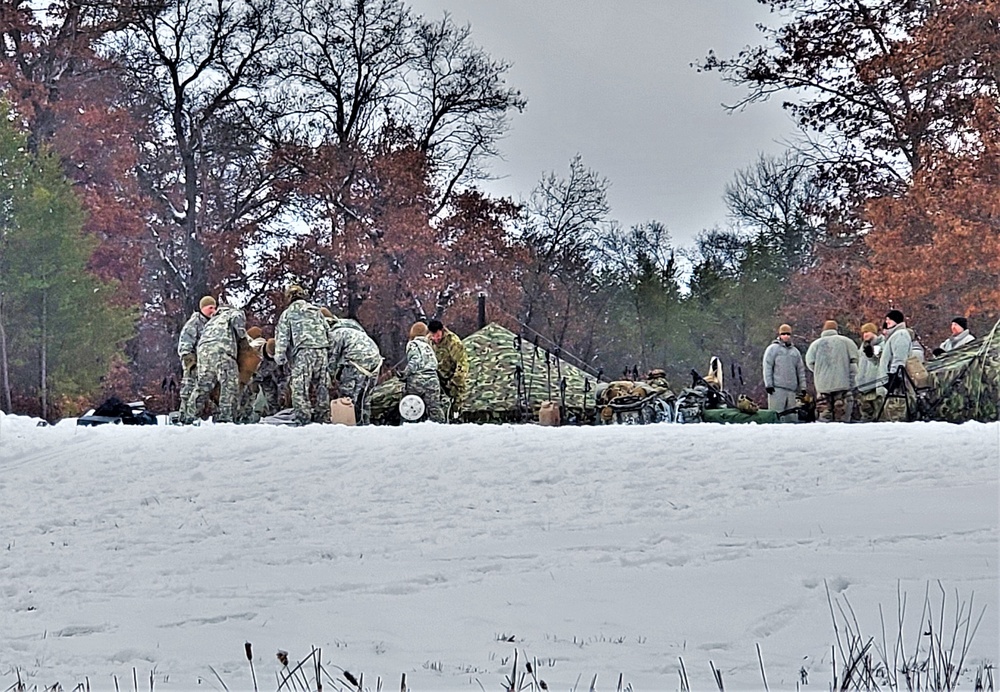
x,y
342,411
548,413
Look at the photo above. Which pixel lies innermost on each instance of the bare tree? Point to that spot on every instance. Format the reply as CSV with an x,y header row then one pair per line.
x,y
777,200
199,70
868,109
366,82
561,230
355,68
461,102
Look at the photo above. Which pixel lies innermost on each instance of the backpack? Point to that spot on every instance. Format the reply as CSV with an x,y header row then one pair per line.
x,y
917,371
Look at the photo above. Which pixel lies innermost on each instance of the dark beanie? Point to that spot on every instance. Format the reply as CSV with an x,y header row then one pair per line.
x,y
896,316
961,322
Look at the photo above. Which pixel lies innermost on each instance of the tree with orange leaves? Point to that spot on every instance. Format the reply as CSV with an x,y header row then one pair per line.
x,y
935,249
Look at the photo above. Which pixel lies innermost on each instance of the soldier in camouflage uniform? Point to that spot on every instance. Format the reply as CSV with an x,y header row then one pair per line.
x,y
186,345
354,362
453,366
420,372
272,380
301,339
216,352
332,320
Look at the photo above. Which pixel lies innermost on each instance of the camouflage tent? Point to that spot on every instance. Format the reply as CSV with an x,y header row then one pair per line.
x,y
508,380
965,383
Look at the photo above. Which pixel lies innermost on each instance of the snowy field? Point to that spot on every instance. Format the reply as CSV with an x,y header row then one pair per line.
x,y
154,554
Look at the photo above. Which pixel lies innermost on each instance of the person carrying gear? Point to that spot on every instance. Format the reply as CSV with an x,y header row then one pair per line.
x,y
302,339
892,365
355,362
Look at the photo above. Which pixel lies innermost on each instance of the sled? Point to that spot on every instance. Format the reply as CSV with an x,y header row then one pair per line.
x,y
116,412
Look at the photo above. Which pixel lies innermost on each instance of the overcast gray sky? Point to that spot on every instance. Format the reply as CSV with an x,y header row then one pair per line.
x,y
611,80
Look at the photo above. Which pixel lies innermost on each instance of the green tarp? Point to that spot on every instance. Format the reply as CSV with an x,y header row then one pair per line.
x,y
732,415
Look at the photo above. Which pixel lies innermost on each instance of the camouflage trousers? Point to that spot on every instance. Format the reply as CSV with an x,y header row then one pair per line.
x,y
272,390
358,387
246,411
215,367
450,402
895,410
446,403
189,378
429,390
835,407
866,406
310,377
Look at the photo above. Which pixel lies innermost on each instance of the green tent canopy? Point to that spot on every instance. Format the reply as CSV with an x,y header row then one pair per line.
x,y
496,391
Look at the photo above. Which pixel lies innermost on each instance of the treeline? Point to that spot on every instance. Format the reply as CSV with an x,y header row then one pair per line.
x,y
156,152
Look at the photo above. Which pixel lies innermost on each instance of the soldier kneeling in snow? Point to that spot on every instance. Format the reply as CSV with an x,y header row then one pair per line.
x,y
217,352
420,373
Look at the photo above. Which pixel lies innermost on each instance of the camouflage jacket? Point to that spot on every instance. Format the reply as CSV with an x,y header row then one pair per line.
x,y
190,333
453,364
222,332
349,345
346,322
420,359
300,326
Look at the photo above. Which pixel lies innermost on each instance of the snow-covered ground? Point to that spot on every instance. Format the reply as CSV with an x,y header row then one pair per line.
x,y
439,551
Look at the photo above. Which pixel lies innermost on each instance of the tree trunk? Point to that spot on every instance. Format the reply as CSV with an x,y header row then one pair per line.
x,y
43,365
353,290
4,363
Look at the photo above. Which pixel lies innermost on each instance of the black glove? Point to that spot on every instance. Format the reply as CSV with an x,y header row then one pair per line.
x,y
769,390
938,352
868,349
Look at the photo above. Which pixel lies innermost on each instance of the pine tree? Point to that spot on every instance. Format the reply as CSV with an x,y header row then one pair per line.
x,y
59,333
